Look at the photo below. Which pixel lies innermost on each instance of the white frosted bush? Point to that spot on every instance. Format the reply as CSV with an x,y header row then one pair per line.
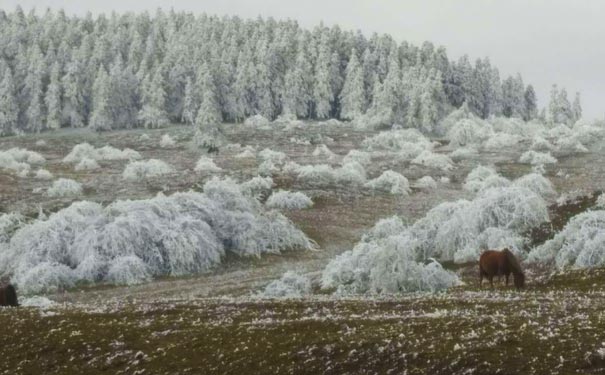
x,y
268,169
390,182
587,133
464,153
87,164
9,223
322,175
361,157
289,200
408,143
455,117
384,228
79,152
43,174
491,239
64,187
581,243
385,266
482,178
206,164
569,145
290,285
40,143
246,154
166,141
501,141
600,201
432,160
468,132
426,182
141,170
257,121
324,152
541,144
144,137
538,184
351,173
537,158
182,234
276,157
86,151
19,160
300,141
257,186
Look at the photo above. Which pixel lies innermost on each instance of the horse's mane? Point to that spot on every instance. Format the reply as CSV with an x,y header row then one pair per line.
x,y
514,263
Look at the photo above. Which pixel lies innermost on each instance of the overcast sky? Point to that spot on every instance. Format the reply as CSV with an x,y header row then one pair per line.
x,y
547,41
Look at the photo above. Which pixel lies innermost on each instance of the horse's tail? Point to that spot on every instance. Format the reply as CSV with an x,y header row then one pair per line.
x,y
514,263
11,295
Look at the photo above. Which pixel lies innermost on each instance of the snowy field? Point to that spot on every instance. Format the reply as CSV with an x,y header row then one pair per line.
x,y
317,240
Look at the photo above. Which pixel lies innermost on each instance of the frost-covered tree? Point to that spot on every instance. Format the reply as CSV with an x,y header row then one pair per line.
x,y
298,86
190,102
153,114
102,116
513,97
9,110
74,98
323,96
530,104
209,115
352,97
53,99
576,108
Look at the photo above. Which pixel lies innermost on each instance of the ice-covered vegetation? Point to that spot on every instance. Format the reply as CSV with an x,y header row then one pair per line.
x,y
537,158
87,164
257,186
167,141
290,285
433,160
19,160
426,183
581,243
206,164
131,241
322,151
351,174
64,187
288,200
86,151
144,169
390,182
43,174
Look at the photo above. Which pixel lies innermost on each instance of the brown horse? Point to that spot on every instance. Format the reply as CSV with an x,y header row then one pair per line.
x,y
8,296
497,263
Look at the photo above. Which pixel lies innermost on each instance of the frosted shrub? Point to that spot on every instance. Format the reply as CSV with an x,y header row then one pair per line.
x,y
361,157
408,143
600,201
324,152
587,133
541,144
79,152
385,266
144,137
206,164
9,223
276,157
268,168
455,117
482,177
290,285
257,186
257,121
537,158
322,175
40,143
64,187
87,164
141,170
385,228
581,243
289,200
464,153
167,141
246,154
390,182
491,239
569,145
19,160
43,174
351,173
86,151
426,182
432,160
501,141
468,132
130,241
538,184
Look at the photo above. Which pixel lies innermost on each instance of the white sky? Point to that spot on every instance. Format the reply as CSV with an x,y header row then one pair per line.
x,y
547,41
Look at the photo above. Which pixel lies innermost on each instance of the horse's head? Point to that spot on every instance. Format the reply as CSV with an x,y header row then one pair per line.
x,y
519,280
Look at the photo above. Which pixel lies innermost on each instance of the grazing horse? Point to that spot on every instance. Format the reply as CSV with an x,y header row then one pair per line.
x,y
497,263
8,296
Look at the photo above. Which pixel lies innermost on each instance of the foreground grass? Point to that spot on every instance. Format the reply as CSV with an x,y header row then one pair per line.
x,y
555,326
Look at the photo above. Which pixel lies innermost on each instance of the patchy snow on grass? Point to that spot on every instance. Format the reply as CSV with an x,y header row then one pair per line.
x,y
290,285
206,164
87,164
581,243
390,182
432,160
40,302
129,241
166,141
144,169
537,158
288,200
64,187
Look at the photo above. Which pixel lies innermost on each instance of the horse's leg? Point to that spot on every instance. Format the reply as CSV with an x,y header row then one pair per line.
x,y
480,278
507,275
491,281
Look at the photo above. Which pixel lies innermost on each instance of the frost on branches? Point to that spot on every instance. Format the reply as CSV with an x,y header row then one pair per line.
x,y
132,241
288,200
290,285
145,169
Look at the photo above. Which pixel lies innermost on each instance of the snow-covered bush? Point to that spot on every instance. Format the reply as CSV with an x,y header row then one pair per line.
x,y
276,157
9,223
40,143
246,154
87,151
79,152
385,266
587,133
468,132
43,174
361,157
537,158
538,184
426,183
166,141
569,145
464,153
491,239
257,186
64,187
181,234
144,169
289,200
541,144
407,143
432,160
600,201
290,285
257,121
144,137
324,152
390,182
482,178
206,164
501,141
581,243
19,160
322,175
87,164
352,173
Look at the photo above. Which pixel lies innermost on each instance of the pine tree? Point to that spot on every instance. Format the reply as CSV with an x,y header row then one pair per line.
x,y
53,99
101,117
9,110
209,115
298,86
531,104
323,96
553,105
190,102
352,97
153,113
564,112
576,108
